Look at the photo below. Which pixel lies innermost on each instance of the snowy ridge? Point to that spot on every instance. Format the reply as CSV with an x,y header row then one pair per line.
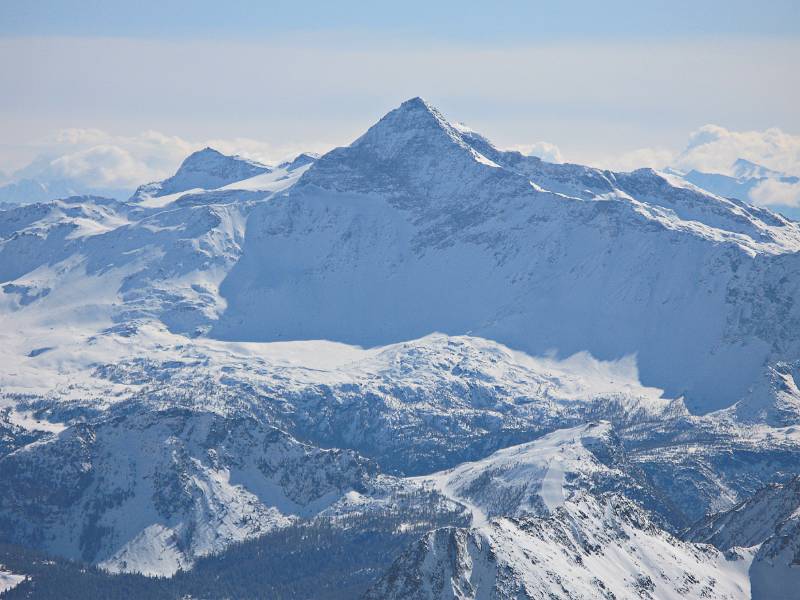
x,y
529,479
588,548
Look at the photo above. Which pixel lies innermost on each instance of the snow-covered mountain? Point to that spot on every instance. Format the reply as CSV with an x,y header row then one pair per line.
x,y
206,169
149,491
543,527
536,478
588,548
419,327
160,256
418,227
768,522
31,190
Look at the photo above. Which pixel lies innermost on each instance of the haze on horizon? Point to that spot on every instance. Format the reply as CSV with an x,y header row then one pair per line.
x,y
114,94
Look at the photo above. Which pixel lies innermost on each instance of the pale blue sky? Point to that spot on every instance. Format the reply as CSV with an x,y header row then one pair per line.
x,y
447,20
616,83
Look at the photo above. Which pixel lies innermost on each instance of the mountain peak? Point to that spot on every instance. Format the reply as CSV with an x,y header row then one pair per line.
x,y
209,160
301,160
413,118
744,169
418,104
410,149
206,169
417,130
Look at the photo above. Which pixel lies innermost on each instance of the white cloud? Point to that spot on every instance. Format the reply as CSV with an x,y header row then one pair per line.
x,y
544,150
95,160
714,149
74,136
655,158
773,192
101,166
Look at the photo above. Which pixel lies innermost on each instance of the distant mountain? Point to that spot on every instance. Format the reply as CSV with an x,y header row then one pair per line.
x,y
745,177
205,169
27,191
746,169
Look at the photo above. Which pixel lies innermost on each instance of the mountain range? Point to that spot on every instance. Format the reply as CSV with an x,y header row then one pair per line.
x,y
466,372
744,179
